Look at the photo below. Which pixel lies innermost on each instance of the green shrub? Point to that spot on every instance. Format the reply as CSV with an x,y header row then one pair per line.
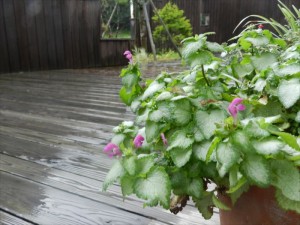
x,y
178,25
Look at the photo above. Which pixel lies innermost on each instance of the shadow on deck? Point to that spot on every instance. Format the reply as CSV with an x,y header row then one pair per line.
x,y
53,126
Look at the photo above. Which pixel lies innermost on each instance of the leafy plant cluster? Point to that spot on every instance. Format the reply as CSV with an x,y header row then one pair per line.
x,y
178,25
191,138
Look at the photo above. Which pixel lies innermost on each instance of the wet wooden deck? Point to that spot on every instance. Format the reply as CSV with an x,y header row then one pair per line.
x,y
53,126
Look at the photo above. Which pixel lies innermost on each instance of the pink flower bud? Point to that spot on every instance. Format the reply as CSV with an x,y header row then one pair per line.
x,y
138,141
236,106
112,150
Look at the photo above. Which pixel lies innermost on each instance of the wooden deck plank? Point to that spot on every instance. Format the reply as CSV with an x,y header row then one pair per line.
x,y
53,127
8,219
89,188
46,205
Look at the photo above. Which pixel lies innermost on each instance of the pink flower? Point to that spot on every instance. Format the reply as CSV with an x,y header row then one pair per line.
x,y
236,106
164,140
112,150
138,141
128,55
260,26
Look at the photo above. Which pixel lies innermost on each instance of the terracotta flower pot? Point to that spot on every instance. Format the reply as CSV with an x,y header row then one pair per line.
x,y
257,207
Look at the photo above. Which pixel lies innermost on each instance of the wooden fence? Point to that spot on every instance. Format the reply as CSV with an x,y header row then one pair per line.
x,y
226,14
54,34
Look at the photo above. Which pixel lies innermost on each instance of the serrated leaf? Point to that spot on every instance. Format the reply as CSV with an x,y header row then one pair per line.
x,y
242,70
114,173
253,129
286,203
217,202
129,164
152,131
263,61
118,139
286,177
289,70
127,183
195,188
200,150
155,188
144,164
289,92
192,47
181,112
205,205
227,156
206,122
180,156
214,47
152,89
200,58
268,146
256,169
163,112
240,140
258,41
164,96
179,180
260,84
180,140
198,134
129,80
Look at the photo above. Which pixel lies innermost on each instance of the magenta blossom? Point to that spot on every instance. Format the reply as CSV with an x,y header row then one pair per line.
x,y
260,26
128,55
236,106
164,139
138,141
112,150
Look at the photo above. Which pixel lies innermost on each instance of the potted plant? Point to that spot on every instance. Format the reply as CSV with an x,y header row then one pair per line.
x,y
222,131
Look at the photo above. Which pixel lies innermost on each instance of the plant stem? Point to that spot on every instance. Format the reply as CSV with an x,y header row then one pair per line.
x,y
203,73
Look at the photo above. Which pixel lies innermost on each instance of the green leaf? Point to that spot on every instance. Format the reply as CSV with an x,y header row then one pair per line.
x,y
200,150
152,131
219,204
211,149
289,92
253,129
268,146
206,121
164,96
205,205
241,182
214,47
129,164
179,180
286,203
181,112
144,164
118,139
242,70
128,96
129,80
256,169
237,194
192,47
115,172
155,188
180,140
286,177
263,61
289,70
162,113
181,156
152,89
227,156
240,140
195,188
127,183
200,58
258,41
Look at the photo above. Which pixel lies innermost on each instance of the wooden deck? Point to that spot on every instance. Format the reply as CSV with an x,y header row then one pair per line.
x,y
53,126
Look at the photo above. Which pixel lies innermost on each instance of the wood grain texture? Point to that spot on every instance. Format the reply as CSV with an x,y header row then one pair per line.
x,y
53,127
8,219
